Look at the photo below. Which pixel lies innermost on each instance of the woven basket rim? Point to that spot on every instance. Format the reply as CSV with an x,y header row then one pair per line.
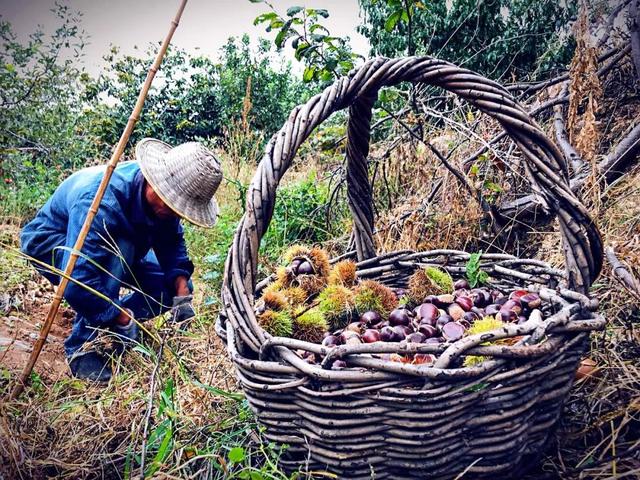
x,y
358,91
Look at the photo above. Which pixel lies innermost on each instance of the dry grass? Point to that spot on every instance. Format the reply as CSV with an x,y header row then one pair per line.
x,y
68,429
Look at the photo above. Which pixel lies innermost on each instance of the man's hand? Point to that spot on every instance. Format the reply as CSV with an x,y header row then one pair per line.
x,y
182,287
125,327
123,318
182,309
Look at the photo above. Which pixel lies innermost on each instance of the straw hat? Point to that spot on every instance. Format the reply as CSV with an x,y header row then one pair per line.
x,y
184,177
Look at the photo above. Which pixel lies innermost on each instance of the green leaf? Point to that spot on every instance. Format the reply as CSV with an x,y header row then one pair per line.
x,y
325,75
264,17
291,11
391,22
218,391
256,1
9,67
346,65
301,50
494,187
236,455
283,34
475,276
307,76
317,26
474,170
322,12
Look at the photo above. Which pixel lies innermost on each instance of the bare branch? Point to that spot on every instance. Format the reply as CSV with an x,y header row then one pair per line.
x,y
622,273
571,155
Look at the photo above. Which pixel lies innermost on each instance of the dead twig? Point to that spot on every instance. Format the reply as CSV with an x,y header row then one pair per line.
x,y
622,273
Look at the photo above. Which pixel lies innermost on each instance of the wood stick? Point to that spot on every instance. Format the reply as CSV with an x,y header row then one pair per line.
x,y
93,209
623,273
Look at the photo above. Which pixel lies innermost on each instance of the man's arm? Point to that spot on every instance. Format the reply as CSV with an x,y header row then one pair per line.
x,y
87,274
171,251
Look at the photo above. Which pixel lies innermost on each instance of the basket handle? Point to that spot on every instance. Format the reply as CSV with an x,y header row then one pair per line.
x,y
545,165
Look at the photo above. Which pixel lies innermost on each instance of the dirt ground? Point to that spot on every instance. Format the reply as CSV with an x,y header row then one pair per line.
x,y
25,298
20,328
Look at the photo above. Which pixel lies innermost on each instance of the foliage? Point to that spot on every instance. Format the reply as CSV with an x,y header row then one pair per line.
x,y
56,119
498,38
325,56
298,216
474,275
41,134
194,97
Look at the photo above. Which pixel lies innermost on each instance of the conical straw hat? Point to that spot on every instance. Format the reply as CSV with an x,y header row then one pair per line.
x,y
184,177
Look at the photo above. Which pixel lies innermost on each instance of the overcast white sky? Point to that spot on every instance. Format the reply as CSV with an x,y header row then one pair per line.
x,y
204,28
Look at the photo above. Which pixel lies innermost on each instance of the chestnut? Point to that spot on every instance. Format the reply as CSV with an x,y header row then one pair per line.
x,y
517,294
416,337
305,268
370,318
481,297
465,302
492,309
443,301
427,330
512,305
346,335
387,334
470,317
464,323
455,311
452,331
371,335
331,341
531,301
461,284
428,313
443,320
399,316
434,340
399,333
295,263
507,316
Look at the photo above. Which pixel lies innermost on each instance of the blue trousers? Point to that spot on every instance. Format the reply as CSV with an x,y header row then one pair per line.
x,y
145,275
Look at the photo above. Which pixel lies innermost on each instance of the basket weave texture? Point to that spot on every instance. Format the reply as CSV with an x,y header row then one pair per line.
x,y
395,420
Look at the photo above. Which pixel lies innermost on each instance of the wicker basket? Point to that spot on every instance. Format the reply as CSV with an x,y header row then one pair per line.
x,y
386,419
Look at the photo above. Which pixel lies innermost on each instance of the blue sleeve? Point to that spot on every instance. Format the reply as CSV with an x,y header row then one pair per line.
x,y
171,251
104,229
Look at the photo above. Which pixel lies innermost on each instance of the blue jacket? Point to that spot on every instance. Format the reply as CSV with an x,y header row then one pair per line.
x,y
122,217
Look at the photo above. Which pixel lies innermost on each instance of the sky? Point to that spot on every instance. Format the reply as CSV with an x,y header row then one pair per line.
x,y
204,28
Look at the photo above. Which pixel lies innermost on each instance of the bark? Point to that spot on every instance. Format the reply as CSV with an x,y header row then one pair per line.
x,y
571,155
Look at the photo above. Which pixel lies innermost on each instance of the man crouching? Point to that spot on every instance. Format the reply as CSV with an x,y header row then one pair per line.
x,y
136,241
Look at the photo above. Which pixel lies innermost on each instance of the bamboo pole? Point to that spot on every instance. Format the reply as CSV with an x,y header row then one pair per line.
x,y
93,209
